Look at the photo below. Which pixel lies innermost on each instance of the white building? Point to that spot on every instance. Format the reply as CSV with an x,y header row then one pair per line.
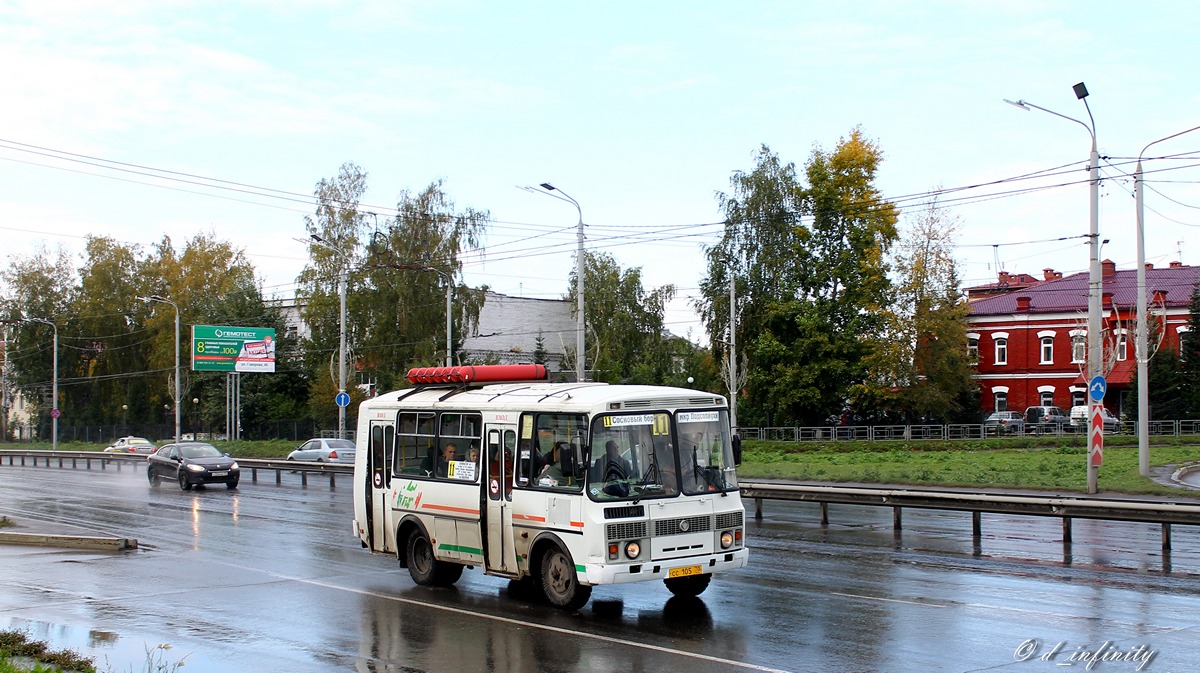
x,y
509,329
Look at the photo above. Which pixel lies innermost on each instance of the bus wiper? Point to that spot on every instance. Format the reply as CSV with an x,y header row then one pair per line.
x,y
645,483
705,473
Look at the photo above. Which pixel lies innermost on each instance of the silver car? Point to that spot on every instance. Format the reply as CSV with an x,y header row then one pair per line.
x,y
139,445
324,451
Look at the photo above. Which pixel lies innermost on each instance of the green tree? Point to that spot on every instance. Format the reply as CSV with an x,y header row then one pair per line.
x,y
396,273
339,224
919,368
809,265
627,337
1189,360
107,358
1173,372
412,259
41,285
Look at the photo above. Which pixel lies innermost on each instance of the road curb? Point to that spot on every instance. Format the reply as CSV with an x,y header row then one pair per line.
x,y
70,541
1178,475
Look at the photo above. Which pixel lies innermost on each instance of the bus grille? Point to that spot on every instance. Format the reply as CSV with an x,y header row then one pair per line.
x,y
674,402
631,530
690,524
624,512
729,520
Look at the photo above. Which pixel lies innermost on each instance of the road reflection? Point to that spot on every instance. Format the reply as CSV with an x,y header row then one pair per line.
x,y
400,637
515,631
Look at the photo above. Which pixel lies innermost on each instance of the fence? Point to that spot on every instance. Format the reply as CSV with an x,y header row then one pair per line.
x,y
873,433
296,430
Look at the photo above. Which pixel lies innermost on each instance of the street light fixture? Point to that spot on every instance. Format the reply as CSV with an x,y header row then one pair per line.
x,y
1095,354
54,411
322,243
1142,349
164,300
579,327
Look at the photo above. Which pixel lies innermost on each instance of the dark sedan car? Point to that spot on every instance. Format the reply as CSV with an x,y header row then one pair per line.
x,y
192,464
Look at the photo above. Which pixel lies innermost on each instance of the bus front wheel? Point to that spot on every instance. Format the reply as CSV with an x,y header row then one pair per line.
x,y
688,587
560,582
424,568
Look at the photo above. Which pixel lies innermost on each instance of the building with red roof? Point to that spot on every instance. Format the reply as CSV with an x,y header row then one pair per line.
x,y
1030,343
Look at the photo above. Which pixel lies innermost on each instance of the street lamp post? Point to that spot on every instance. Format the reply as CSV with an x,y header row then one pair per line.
x,y
320,242
1142,348
195,418
733,385
1095,353
54,411
164,300
579,327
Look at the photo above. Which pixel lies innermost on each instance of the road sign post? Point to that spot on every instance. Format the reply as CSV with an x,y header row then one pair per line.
x,y
1095,454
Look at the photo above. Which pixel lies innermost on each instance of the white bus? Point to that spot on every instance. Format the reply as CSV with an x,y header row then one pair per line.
x,y
563,486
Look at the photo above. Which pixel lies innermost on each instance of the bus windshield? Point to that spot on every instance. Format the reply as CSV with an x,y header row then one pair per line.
x,y
653,455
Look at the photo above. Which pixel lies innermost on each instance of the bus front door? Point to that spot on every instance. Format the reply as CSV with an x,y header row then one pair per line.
x,y
383,438
501,446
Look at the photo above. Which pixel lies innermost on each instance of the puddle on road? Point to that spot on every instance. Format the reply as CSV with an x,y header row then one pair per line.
x,y
109,651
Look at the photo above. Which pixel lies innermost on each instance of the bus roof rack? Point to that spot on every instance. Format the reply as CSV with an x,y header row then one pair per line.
x,y
465,375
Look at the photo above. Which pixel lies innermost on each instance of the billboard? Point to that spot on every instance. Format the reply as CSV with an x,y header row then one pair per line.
x,y
233,349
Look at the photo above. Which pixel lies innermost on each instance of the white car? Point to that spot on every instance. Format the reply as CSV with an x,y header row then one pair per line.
x,y
1079,419
325,451
138,445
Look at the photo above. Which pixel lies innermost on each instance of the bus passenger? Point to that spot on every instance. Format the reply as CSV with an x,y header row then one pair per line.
x,y
448,454
551,474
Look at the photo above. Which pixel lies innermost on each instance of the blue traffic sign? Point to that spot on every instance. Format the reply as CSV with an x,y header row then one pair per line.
x,y
342,399
1097,388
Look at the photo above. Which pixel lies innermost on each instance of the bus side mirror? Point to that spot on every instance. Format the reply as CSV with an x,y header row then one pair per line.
x,y
737,449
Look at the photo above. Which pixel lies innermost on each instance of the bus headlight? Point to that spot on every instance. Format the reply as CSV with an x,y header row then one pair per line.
x,y
726,540
632,549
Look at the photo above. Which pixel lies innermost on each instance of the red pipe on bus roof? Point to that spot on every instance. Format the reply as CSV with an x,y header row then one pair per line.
x,y
477,374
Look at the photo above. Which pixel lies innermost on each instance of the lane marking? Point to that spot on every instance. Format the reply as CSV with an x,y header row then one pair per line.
x,y
517,622
889,600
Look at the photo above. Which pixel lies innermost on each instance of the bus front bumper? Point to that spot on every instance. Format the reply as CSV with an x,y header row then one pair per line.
x,y
621,573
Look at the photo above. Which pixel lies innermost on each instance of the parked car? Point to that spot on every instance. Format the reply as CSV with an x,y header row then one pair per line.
x,y
1079,419
139,445
1004,423
1045,419
325,451
192,464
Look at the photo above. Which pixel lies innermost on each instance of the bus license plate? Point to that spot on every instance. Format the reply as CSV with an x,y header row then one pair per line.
x,y
686,571
220,474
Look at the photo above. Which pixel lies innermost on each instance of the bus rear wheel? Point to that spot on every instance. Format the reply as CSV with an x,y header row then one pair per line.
x,y
560,582
688,587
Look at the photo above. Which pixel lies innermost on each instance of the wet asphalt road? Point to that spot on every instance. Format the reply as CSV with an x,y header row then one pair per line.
x,y
269,578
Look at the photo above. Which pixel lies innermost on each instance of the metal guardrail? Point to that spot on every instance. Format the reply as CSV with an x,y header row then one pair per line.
x,y
75,459
1165,513
875,433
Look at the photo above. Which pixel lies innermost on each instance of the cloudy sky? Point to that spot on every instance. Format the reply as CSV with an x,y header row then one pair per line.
x,y
638,110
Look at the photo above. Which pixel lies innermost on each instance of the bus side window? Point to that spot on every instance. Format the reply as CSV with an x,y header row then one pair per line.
x,y
415,444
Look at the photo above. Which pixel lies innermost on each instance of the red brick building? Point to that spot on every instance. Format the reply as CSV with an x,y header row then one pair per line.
x,y
1030,339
